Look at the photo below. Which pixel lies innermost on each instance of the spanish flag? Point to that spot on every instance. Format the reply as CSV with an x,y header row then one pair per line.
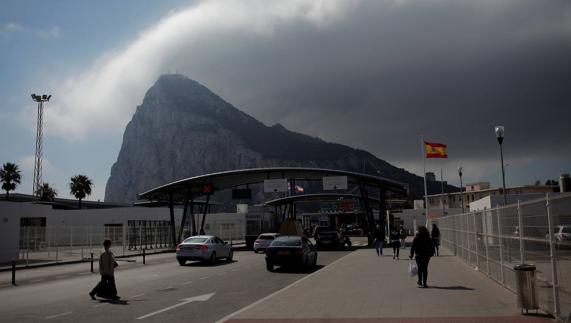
x,y
435,150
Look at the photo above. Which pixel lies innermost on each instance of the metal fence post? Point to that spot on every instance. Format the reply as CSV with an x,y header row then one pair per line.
x,y
468,241
500,245
92,262
552,255
520,224
13,271
486,242
476,241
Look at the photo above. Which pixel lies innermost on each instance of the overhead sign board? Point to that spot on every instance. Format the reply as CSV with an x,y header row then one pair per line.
x,y
334,183
275,185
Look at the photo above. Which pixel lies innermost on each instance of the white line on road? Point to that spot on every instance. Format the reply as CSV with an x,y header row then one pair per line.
x,y
87,273
205,277
138,295
187,283
37,281
201,298
99,305
166,288
225,318
57,315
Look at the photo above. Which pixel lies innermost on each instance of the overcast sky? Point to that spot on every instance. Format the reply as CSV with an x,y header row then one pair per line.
x,y
375,75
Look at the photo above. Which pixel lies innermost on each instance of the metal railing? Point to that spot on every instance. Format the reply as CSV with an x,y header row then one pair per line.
x,y
493,242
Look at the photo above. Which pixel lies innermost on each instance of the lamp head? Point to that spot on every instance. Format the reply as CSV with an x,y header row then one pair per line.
x,y
460,170
499,130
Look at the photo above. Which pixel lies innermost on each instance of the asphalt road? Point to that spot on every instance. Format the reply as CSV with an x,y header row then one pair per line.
x,y
160,291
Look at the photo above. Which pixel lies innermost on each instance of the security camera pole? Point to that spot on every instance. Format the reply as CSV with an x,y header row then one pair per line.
x,y
38,160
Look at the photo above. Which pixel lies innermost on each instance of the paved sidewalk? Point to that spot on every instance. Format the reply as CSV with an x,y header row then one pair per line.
x,y
362,287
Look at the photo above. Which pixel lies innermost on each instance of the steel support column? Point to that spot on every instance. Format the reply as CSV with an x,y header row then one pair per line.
x,y
171,208
204,214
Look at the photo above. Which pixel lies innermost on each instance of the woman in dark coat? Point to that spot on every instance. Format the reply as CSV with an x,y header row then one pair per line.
x,y
394,236
423,248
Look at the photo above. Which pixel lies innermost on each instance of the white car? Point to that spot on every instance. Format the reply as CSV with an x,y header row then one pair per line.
x,y
203,248
264,240
562,233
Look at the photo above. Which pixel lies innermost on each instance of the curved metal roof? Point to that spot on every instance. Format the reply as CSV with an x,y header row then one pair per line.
x,y
235,178
316,197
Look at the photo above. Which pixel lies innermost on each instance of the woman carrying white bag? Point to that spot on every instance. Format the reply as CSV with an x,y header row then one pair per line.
x,y
424,249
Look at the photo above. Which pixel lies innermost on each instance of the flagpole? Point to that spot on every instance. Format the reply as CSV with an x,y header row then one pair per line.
x,y
442,187
423,153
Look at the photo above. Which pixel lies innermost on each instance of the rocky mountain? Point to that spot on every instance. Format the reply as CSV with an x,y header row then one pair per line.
x,y
182,129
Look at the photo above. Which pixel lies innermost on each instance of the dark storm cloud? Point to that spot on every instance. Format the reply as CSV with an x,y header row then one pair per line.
x,y
450,70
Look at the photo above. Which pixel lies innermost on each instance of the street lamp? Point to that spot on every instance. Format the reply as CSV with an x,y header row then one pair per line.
x,y
500,136
461,188
40,99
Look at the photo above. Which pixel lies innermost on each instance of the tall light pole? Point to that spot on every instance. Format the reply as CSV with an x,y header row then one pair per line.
x,y
38,159
461,188
500,136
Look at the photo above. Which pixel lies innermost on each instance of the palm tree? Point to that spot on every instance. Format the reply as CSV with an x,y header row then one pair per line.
x,y
80,186
10,177
46,192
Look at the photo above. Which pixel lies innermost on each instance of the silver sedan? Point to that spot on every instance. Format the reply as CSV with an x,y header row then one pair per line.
x,y
203,248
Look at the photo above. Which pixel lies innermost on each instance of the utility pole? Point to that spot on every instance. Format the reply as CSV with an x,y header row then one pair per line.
x,y
38,159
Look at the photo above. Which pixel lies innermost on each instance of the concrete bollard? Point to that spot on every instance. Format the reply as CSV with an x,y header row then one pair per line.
x,y
92,262
13,271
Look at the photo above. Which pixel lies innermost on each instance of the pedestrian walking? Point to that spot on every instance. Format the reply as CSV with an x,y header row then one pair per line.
x,y
106,287
422,249
402,233
394,236
379,236
435,235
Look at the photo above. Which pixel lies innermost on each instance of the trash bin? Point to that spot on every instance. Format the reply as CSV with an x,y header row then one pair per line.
x,y
526,287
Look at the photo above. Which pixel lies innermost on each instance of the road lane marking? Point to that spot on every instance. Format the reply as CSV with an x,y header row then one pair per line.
x,y
87,273
99,305
138,295
57,315
187,283
166,288
37,281
201,298
205,277
229,316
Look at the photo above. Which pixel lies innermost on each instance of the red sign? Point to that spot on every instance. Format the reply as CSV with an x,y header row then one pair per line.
x,y
207,189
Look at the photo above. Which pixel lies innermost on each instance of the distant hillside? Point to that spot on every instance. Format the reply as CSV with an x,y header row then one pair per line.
x,y
182,129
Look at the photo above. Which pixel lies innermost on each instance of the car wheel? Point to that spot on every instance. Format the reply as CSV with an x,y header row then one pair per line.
x,y
213,259
230,255
181,261
269,266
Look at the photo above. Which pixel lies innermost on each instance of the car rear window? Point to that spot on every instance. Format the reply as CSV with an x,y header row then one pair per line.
x,y
287,242
195,240
267,237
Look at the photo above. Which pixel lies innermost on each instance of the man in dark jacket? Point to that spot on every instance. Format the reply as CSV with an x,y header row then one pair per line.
x,y
379,236
424,249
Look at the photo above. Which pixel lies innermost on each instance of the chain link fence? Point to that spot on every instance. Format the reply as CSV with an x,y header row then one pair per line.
x,y
536,232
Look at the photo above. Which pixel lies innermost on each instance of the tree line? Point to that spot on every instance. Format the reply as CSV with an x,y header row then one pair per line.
x,y
79,186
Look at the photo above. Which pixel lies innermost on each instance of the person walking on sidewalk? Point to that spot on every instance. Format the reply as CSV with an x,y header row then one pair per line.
x,y
423,248
106,287
402,233
435,235
394,236
379,236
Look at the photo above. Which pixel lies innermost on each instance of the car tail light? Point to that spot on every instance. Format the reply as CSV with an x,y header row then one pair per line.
x,y
203,247
178,247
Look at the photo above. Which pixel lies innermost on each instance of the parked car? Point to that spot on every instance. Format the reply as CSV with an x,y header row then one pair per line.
x,y
561,233
331,239
291,251
263,241
204,248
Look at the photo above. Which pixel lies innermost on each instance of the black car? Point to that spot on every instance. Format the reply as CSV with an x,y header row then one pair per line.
x,y
331,239
294,251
